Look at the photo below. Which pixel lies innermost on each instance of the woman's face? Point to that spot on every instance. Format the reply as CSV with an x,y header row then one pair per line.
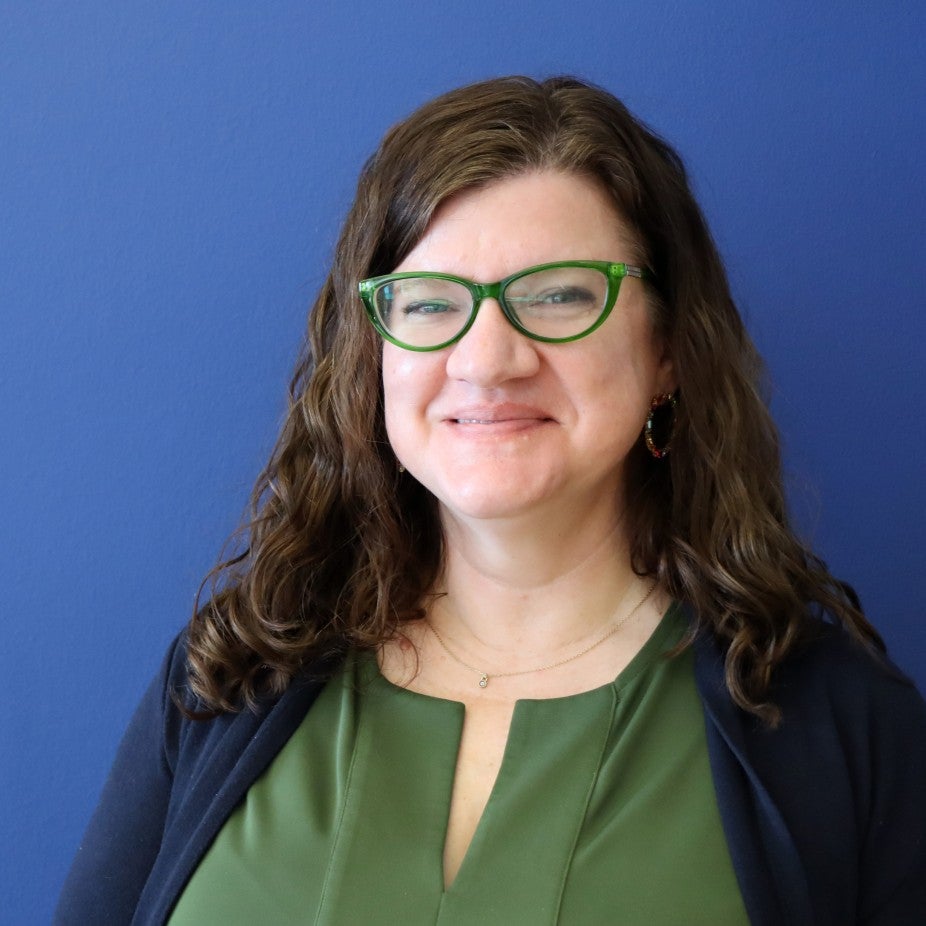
x,y
498,426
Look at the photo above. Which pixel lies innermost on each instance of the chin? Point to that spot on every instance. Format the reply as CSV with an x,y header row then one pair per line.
x,y
502,499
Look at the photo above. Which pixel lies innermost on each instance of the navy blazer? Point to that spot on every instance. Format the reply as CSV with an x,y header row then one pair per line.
x,y
825,816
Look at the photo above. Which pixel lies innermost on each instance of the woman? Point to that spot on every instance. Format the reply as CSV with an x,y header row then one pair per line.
x,y
522,549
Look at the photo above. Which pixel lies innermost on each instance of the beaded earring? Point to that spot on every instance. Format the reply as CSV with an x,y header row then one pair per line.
x,y
660,401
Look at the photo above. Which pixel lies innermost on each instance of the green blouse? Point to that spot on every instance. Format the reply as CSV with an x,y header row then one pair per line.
x,y
603,812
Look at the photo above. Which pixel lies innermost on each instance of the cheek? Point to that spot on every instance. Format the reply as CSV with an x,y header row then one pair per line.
x,y
410,381
397,374
618,381
393,393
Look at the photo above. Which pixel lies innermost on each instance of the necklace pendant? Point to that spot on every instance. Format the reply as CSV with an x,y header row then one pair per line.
x,y
484,680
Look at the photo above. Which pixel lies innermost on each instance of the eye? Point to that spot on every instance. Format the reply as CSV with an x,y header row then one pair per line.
x,y
429,307
564,295
555,299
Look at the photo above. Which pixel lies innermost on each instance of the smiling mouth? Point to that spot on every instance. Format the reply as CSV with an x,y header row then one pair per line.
x,y
498,416
513,421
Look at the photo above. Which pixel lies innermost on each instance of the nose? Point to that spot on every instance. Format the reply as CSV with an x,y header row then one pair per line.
x,y
493,350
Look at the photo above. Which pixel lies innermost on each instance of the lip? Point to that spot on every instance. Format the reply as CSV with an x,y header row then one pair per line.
x,y
494,413
496,419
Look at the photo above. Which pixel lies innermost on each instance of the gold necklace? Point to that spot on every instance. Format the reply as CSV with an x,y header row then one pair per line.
x,y
485,676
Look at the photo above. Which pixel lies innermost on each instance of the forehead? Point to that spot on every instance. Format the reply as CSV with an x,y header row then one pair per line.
x,y
540,217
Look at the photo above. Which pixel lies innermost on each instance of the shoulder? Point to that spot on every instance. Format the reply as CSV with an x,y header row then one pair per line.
x,y
853,707
843,771
831,677
196,737
842,704
174,781
867,719
837,676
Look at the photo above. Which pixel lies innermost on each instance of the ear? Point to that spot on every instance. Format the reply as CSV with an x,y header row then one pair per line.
x,y
666,381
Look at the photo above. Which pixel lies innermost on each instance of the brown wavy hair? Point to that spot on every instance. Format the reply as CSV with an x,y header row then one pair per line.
x,y
340,548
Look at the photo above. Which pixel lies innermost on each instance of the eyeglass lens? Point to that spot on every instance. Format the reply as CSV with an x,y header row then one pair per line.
x,y
556,302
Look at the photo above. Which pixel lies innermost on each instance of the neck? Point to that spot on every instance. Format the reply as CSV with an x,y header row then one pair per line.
x,y
533,592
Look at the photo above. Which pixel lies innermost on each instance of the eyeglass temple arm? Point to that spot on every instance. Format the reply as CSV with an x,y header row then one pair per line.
x,y
628,270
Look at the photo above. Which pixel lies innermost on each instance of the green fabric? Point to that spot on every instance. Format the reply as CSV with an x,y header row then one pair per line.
x,y
603,812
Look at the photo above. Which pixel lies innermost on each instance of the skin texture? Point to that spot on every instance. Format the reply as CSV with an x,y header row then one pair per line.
x,y
523,444
555,420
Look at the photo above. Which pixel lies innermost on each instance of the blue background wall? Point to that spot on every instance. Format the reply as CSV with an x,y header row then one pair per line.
x,y
172,177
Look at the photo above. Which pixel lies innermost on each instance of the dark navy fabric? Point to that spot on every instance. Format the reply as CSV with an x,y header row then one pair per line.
x,y
825,816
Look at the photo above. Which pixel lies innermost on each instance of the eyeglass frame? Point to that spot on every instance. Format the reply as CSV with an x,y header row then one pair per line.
x,y
614,273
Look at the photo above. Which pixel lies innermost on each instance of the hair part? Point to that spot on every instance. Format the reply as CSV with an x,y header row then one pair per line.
x,y
340,548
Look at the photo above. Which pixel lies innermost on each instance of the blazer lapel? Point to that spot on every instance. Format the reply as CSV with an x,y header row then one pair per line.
x,y
234,751
765,856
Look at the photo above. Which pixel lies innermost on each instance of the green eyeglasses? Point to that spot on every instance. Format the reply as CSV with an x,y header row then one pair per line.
x,y
554,303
